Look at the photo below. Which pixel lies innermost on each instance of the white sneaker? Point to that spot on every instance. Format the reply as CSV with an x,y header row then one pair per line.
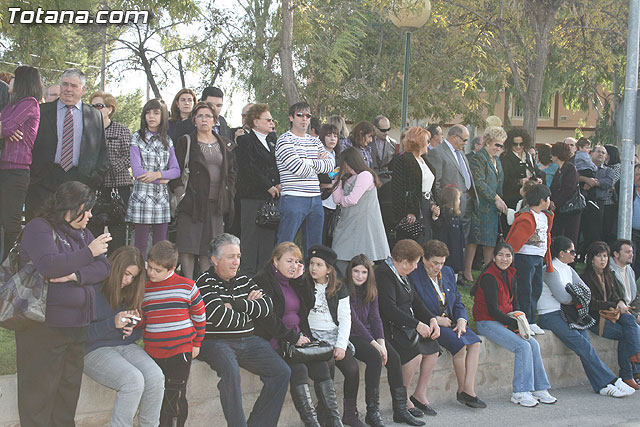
x,y
535,329
624,387
524,398
544,397
611,390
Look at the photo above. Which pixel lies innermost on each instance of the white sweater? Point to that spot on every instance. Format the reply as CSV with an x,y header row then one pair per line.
x,y
553,289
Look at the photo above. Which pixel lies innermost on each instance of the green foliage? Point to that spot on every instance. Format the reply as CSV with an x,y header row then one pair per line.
x,y
129,108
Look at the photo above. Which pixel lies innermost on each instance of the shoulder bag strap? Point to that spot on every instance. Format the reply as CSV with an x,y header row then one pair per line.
x,y
186,156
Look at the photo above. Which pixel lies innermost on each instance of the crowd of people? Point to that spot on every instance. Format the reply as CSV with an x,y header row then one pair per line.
x,y
388,234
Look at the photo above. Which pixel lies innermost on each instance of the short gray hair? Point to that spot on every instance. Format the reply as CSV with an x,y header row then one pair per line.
x,y
74,72
378,119
222,240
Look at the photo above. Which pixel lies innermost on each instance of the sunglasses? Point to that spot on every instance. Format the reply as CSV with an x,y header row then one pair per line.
x,y
307,115
99,106
384,130
462,139
269,120
571,252
498,145
517,144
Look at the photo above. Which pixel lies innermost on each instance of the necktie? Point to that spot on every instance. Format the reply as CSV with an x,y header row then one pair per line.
x,y
463,168
66,154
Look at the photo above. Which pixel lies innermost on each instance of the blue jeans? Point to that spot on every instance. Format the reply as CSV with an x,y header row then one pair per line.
x,y
529,283
627,332
528,370
305,212
226,357
577,340
137,380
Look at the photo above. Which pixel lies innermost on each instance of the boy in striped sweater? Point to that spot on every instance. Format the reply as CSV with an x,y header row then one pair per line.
x,y
300,158
174,326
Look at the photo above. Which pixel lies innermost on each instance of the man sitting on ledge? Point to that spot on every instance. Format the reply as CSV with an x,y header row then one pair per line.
x,y
232,303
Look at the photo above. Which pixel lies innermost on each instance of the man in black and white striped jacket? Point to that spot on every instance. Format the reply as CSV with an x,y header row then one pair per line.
x,y
231,303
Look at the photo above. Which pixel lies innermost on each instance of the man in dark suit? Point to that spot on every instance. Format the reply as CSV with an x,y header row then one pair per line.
x,y
452,169
70,144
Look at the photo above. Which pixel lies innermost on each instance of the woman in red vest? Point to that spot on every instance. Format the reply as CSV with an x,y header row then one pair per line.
x,y
495,298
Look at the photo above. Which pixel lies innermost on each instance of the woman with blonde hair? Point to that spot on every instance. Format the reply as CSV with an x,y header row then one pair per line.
x,y
412,184
488,177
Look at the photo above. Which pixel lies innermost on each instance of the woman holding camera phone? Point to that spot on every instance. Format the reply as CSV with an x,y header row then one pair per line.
x,y
112,357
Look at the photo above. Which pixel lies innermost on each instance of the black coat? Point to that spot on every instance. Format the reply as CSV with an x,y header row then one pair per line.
x,y
257,169
272,326
406,186
196,194
93,162
514,171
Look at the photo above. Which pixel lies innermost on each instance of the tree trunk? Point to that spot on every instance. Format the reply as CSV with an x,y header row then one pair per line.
x,y
150,78
286,57
542,15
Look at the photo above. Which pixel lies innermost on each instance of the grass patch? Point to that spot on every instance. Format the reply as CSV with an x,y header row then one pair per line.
x,y
7,352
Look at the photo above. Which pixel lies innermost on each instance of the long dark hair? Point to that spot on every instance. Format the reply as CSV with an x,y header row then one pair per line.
x,y
71,196
352,156
370,287
499,246
130,297
26,83
163,129
589,275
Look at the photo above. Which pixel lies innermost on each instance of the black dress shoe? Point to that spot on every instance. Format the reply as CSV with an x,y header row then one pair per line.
x,y
471,401
462,282
416,412
428,410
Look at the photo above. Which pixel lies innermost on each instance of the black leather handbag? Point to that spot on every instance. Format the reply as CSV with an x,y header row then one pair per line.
x,y
315,351
406,334
110,208
575,204
413,229
268,215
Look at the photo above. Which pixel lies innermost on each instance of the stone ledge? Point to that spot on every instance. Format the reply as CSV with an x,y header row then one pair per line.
x,y
494,378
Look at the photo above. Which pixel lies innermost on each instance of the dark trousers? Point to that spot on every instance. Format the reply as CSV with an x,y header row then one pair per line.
x,y
372,359
610,223
13,193
591,225
174,405
302,372
226,357
256,243
349,368
50,363
529,283
567,225
119,231
635,236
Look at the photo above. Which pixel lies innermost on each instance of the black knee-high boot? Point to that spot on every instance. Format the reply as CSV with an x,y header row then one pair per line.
x,y
400,412
327,395
301,396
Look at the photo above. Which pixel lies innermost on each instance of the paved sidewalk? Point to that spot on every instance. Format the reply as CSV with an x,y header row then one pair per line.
x,y
576,406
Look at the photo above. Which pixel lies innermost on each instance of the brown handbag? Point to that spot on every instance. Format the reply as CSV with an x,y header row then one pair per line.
x,y
612,314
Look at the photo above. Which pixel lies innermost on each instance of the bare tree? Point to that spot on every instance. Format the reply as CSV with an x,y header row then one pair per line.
x,y
286,56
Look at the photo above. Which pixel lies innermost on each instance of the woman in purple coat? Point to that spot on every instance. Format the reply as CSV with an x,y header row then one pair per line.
x,y
50,355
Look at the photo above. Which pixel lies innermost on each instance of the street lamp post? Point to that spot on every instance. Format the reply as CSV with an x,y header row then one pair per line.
x,y
408,15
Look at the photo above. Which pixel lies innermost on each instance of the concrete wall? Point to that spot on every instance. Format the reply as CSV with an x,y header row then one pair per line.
x,y
494,378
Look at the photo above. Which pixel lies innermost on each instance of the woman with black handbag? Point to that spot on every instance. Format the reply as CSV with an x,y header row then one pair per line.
x,y
414,207
258,183
113,195
409,327
210,188
564,188
288,331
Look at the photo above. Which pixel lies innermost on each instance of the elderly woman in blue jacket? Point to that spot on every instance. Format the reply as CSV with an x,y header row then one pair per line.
x,y
436,286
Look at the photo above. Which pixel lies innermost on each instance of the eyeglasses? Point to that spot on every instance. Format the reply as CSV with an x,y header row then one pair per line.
x,y
571,252
307,115
270,120
384,130
462,139
99,106
204,117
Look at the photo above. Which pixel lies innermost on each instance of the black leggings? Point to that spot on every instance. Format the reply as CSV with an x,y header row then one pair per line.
x,y
301,372
349,368
371,357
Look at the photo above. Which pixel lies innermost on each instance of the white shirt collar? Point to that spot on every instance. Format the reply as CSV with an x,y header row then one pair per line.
x,y
262,137
453,150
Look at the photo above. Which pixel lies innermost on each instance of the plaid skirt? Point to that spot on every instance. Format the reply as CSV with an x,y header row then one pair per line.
x,y
149,204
